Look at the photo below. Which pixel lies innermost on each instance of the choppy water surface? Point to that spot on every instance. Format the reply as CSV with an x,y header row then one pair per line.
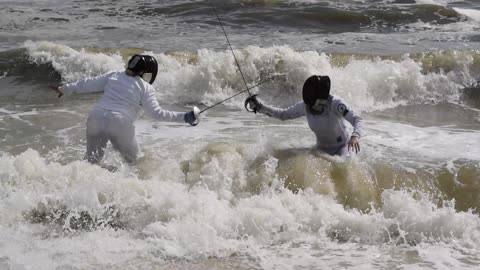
x,y
243,191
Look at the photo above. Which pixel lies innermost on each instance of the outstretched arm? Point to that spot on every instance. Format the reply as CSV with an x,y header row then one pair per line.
x,y
90,85
151,106
291,112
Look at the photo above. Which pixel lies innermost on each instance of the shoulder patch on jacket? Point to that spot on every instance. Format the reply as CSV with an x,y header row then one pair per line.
x,y
342,109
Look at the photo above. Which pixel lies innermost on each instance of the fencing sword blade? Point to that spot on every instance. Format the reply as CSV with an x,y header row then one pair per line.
x,y
231,49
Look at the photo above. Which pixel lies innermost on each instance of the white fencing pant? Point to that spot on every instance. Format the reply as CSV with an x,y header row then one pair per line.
x,y
104,126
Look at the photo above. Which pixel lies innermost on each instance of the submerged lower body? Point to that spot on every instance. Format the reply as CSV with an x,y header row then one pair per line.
x,y
341,150
104,126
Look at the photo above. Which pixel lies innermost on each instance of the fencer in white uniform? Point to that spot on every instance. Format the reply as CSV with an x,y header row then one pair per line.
x,y
125,94
325,114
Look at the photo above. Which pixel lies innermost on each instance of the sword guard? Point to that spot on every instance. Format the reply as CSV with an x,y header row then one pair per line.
x,y
247,101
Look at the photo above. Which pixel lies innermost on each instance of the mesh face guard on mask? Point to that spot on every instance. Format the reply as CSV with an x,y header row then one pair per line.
x,y
316,90
146,64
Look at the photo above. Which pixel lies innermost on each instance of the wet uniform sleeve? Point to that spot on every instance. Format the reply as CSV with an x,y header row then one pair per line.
x,y
292,112
90,85
151,106
342,108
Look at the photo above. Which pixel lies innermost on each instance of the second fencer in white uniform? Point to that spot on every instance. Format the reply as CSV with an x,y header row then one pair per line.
x,y
325,115
125,94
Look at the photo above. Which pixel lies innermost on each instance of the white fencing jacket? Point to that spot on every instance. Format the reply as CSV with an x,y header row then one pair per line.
x,y
124,94
329,126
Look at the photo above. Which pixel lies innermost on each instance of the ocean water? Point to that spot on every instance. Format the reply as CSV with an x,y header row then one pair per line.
x,y
241,190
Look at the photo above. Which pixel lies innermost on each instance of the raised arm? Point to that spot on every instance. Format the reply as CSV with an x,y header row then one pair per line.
x,y
90,85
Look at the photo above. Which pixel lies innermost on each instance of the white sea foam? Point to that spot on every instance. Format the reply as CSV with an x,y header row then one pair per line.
x,y
470,13
203,196
427,143
366,84
435,2
70,63
168,218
